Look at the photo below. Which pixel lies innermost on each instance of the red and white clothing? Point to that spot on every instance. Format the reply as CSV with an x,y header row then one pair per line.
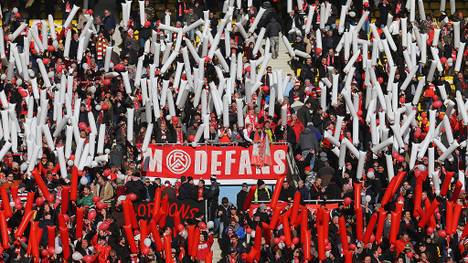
x,y
101,46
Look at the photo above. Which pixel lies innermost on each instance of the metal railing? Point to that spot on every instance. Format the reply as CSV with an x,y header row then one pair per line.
x,y
309,201
212,144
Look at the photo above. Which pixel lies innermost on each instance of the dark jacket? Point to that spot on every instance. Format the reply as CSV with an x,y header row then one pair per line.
x,y
263,194
241,199
109,23
307,72
224,213
187,191
308,140
273,28
138,188
304,115
286,194
305,193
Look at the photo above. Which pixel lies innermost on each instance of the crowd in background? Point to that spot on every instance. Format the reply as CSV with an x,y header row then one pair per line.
x,y
103,189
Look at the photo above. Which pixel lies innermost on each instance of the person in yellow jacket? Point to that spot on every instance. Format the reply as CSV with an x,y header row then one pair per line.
x,y
262,193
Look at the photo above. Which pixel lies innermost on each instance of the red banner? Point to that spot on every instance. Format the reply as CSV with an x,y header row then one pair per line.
x,y
188,209
226,162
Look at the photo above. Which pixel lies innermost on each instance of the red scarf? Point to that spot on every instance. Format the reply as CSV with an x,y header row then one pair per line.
x,y
200,193
232,259
180,136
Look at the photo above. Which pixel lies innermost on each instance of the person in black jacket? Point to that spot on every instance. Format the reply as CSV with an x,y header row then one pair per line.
x,y
287,192
307,70
323,67
241,196
304,113
213,196
317,191
165,133
187,190
136,186
273,29
223,214
299,44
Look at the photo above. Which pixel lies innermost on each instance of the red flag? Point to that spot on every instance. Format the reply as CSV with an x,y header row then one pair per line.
x,y
4,230
429,213
343,234
456,191
380,225
24,223
65,242
74,184
65,199
359,223
130,238
446,183
277,191
357,195
51,238
79,222
370,228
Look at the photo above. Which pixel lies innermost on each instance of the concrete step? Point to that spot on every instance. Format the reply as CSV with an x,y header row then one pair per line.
x,y
281,62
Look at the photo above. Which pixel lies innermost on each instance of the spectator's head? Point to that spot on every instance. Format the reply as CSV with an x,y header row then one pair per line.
x,y
102,180
380,169
300,183
234,240
285,184
147,181
213,179
232,252
323,60
318,182
349,166
136,175
298,39
44,160
261,184
183,179
190,180
233,212
225,201
245,187
84,243
86,190
201,183
157,181
10,177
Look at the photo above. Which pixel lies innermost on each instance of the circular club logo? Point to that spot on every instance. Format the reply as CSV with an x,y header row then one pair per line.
x,y
178,161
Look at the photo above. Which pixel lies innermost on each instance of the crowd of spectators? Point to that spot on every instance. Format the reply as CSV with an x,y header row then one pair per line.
x,y
424,191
